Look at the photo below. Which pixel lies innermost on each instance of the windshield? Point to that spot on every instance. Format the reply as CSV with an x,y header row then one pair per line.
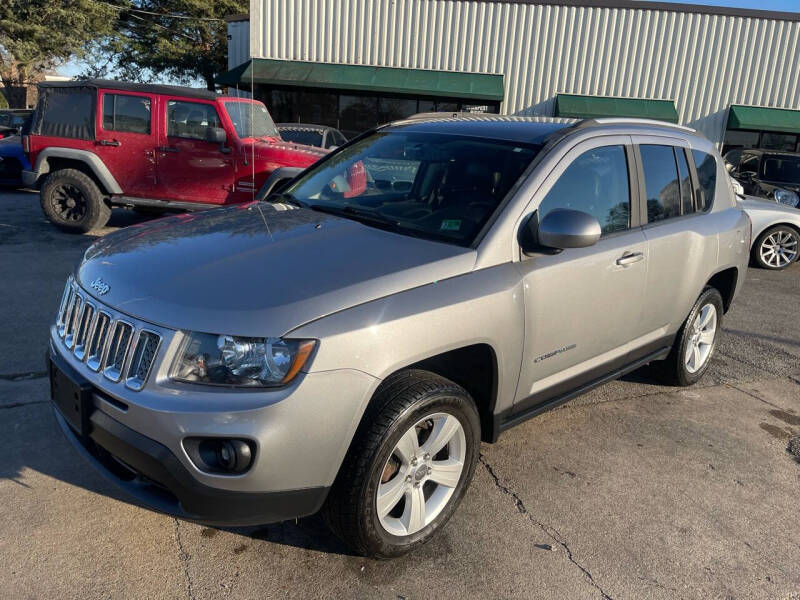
x,y
251,119
784,169
437,186
310,137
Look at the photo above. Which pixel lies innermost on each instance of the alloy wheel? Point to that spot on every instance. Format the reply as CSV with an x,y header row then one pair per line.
x,y
421,474
69,202
779,248
702,334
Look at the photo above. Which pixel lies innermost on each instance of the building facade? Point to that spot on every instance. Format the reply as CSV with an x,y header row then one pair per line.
x,y
732,74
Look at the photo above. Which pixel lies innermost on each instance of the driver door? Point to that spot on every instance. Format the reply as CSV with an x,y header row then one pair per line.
x,y
191,169
583,305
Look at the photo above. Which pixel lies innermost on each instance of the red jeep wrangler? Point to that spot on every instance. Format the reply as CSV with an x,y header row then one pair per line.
x,y
96,144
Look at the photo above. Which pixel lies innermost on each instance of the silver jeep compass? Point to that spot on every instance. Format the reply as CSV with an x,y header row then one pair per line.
x,y
346,345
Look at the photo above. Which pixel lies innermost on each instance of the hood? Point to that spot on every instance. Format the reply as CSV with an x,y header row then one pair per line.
x,y
276,149
258,269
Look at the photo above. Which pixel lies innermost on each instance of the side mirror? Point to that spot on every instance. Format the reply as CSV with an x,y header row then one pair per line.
x,y
216,135
563,228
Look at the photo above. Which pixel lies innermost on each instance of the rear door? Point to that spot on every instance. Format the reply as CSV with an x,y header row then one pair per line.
x,y
126,140
191,169
681,237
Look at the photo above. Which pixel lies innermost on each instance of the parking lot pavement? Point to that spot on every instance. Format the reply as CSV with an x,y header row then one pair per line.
x,y
632,491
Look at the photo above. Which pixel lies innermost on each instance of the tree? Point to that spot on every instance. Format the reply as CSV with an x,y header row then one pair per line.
x,y
38,35
175,40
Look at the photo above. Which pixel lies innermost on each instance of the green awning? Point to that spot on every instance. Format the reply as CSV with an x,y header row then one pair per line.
x,y
384,80
588,107
764,119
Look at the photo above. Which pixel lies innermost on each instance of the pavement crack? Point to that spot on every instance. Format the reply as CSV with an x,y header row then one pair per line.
x,y
184,558
23,376
548,530
752,395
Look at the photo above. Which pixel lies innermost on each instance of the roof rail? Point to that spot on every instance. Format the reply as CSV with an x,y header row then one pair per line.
x,y
634,121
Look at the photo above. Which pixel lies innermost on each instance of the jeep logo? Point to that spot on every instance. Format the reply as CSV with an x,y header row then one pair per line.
x,y
100,286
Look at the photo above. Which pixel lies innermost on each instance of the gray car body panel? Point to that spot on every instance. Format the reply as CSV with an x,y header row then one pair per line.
x,y
378,302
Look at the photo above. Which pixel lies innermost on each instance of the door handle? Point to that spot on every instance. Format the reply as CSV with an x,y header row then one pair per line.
x,y
109,143
629,258
168,149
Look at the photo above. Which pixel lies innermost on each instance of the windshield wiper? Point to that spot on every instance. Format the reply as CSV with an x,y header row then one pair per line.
x,y
356,214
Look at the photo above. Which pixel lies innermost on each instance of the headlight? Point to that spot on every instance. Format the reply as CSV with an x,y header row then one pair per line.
x,y
241,361
786,197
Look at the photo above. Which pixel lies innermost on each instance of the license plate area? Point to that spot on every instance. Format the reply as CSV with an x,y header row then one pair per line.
x,y
72,398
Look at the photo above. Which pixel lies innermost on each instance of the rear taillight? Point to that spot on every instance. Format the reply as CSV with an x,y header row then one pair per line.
x,y
26,144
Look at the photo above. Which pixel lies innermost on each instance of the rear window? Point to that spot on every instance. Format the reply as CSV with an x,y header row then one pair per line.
x,y
661,182
65,112
706,167
308,137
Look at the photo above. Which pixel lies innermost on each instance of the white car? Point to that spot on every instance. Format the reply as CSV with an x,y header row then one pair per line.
x,y
776,232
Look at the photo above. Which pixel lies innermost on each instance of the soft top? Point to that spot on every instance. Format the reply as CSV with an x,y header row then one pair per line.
x,y
127,86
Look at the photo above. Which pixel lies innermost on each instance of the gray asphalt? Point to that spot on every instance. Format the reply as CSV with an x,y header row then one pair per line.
x,y
632,491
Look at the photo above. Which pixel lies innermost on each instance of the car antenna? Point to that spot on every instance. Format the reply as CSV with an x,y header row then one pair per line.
x,y
253,147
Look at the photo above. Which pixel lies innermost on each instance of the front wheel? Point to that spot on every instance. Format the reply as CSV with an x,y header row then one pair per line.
x,y
776,248
410,463
695,343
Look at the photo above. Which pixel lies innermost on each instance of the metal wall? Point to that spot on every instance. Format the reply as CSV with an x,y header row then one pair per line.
x,y
703,62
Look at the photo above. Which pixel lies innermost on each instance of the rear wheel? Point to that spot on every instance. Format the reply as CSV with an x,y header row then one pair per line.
x,y
72,201
408,467
776,248
696,341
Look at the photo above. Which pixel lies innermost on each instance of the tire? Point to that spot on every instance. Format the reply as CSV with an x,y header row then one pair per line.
x,y
776,248
403,403
676,368
72,201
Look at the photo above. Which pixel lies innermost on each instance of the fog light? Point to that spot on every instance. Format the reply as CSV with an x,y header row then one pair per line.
x,y
220,455
233,455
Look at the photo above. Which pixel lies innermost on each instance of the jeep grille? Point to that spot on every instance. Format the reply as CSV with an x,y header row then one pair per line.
x,y
106,342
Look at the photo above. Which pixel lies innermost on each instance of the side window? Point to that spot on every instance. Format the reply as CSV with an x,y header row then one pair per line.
x,y
596,183
706,167
661,182
190,120
128,114
687,197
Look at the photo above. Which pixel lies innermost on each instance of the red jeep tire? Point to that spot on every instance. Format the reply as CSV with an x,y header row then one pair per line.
x,y
72,201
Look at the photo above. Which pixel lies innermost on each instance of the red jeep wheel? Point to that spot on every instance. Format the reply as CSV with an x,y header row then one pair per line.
x,y
72,201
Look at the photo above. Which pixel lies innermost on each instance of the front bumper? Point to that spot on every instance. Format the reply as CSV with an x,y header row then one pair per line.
x,y
155,479
140,450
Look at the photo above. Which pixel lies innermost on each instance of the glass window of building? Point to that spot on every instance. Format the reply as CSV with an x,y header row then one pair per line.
x,y
785,142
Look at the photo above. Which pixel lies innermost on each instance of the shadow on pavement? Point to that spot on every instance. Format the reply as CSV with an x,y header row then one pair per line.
x,y
52,455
